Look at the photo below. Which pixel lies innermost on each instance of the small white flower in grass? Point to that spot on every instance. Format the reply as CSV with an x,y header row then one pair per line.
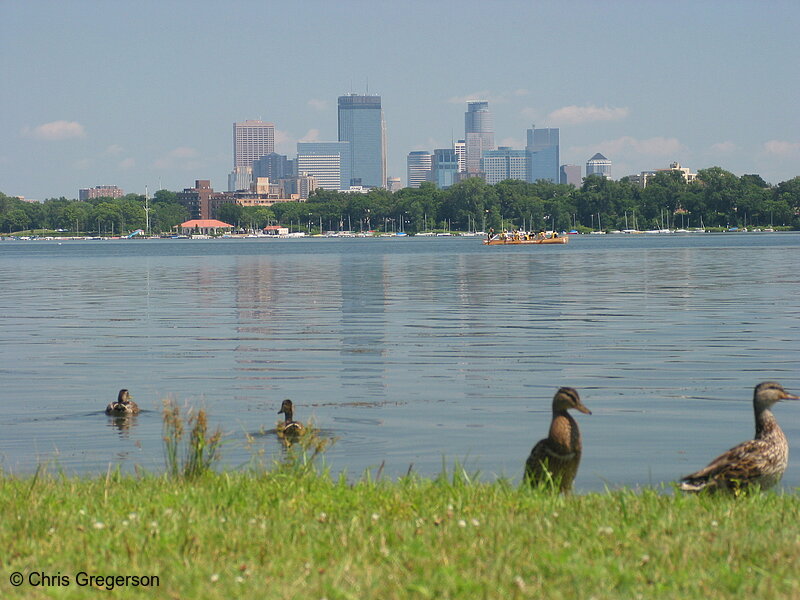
x,y
239,579
375,516
98,525
214,578
606,530
519,582
125,523
51,531
323,517
462,523
154,524
714,524
133,516
475,522
168,512
222,519
81,512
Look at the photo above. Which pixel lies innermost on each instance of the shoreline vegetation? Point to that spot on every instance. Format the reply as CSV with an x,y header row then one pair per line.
x,y
292,530
716,199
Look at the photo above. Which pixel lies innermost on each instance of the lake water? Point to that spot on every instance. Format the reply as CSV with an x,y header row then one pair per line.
x,y
414,352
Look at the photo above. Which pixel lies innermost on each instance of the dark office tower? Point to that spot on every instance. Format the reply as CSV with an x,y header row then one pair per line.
x,y
361,123
273,165
478,133
543,153
444,167
571,174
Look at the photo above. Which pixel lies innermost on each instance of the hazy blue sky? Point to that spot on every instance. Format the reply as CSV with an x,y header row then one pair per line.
x,y
144,93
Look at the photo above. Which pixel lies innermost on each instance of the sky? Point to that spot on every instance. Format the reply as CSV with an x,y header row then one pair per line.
x,y
144,94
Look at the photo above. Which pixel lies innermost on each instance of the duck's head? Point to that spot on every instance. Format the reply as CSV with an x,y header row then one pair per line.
x,y
124,397
567,398
768,393
286,407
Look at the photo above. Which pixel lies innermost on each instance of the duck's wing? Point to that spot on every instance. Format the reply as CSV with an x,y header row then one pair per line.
x,y
741,464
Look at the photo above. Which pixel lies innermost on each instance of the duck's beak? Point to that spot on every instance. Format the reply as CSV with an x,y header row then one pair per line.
x,y
788,396
583,409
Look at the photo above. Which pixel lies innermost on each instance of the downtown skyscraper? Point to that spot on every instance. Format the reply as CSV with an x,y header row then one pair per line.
x,y
361,123
251,141
543,150
478,134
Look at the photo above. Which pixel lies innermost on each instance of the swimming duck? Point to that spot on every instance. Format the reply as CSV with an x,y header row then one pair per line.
x,y
123,406
759,461
289,426
555,459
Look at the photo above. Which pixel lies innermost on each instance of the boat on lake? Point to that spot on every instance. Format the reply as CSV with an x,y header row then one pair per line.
x,y
519,238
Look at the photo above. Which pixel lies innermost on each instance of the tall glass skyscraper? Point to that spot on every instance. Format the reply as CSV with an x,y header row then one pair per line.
x,y
361,123
478,133
543,151
444,167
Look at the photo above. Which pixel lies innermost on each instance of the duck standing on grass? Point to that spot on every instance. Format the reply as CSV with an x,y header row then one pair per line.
x,y
760,461
555,459
123,406
289,427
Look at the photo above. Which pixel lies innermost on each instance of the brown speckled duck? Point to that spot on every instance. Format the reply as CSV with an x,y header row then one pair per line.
x,y
289,427
123,406
760,461
555,459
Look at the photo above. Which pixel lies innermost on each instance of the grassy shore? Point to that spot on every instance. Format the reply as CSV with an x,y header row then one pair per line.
x,y
291,532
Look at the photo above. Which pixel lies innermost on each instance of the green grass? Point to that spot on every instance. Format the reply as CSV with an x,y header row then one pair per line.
x,y
292,532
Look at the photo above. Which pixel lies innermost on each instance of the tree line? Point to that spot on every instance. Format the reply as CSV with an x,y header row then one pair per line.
x,y
717,198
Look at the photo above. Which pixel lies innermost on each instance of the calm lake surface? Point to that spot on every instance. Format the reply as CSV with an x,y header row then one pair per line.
x,y
416,352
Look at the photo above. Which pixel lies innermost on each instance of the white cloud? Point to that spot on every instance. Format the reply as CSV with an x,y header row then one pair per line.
x,y
574,115
312,135
56,130
114,150
127,163
182,158
284,142
724,147
318,104
782,148
656,146
83,164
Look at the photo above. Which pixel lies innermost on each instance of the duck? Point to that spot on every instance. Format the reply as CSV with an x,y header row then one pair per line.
x,y
289,425
123,406
554,460
757,462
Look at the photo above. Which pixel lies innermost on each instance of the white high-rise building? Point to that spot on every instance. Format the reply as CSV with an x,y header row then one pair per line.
x,y
327,162
251,141
461,152
419,167
598,165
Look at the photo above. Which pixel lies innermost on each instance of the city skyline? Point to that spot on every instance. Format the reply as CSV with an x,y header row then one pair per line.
x,y
144,105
